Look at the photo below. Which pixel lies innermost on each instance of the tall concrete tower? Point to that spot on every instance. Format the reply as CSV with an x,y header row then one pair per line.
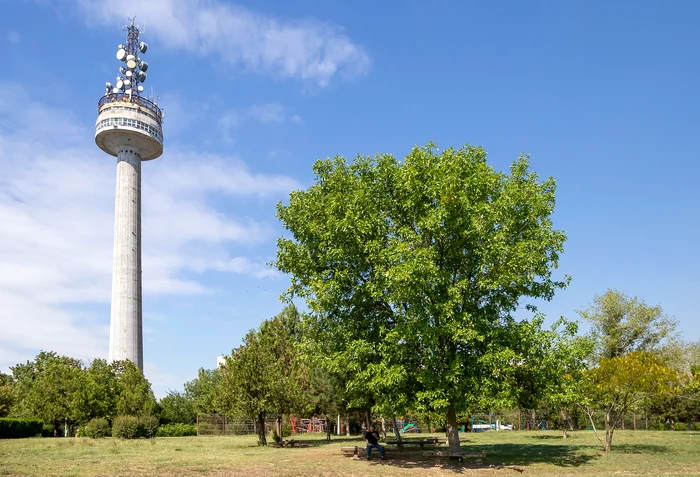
x,y
129,126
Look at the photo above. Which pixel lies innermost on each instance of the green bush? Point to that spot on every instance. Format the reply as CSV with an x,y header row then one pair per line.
x,y
47,430
132,427
286,430
15,428
96,428
680,426
126,427
176,430
148,426
696,426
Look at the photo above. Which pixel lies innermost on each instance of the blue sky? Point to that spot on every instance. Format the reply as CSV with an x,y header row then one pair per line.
x,y
603,95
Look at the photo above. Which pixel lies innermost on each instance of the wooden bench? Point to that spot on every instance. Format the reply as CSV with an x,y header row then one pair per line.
x,y
289,443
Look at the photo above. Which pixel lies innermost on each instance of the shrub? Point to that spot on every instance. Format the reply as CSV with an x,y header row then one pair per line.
x,y
696,426
126,427
132,427
176,430
96,428
680,426
148,426
47,430
15,428
286,430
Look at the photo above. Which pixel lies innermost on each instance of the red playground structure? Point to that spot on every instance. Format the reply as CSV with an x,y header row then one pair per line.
x,y
302,426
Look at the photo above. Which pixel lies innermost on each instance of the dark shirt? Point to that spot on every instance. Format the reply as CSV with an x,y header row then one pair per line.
x,y
371,438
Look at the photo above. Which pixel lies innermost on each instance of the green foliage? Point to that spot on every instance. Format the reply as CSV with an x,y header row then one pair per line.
x,y
134,427
680,426
135,395
262,376
177,408
286,430
13,428
48,430
126,427
6,397
201,391
411,270
621,324
50,388
97,428
176,430
620,383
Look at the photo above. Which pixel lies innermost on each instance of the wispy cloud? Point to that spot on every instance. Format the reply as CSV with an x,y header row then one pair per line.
x,y
231,119
307,49
56,231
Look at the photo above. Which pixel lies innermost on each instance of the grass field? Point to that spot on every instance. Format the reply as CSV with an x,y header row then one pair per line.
x,y
507,453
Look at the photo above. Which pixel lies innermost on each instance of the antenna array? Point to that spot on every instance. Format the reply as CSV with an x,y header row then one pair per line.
x,y
133,72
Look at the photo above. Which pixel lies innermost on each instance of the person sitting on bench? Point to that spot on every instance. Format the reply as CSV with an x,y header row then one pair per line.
x,y
372,439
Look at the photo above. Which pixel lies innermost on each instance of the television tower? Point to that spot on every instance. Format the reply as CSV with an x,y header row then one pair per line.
x,y
129,126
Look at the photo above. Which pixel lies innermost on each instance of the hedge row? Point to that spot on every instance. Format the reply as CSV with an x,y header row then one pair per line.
x,y
176,430
132,427
15,428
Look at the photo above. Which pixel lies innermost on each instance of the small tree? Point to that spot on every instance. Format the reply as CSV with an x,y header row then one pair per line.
x,y
620,383
262,376
6,397
621,324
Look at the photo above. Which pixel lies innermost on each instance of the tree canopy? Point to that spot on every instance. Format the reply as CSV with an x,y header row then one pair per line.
x,y
412,269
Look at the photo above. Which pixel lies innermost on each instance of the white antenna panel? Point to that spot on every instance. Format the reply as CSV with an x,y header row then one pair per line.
x,y
120,84
121,47
129,74
121,54
127,82
128,91
130,58
115,90
143,47
140,89
131,64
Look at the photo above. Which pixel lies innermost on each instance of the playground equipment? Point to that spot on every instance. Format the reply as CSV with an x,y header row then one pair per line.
x,y
406,426
302,426
488,422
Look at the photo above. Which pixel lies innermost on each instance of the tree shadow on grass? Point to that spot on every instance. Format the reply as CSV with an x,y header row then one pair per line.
x,y
498,456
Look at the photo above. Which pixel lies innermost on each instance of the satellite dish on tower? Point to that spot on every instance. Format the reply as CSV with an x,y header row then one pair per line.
x,y
143,47
129,74
131,64
128,91
140,89
143,66
121,54
120,84
122,70
141,77
115,90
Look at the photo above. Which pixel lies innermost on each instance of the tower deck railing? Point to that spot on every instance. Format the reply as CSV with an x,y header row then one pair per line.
x,y
131,98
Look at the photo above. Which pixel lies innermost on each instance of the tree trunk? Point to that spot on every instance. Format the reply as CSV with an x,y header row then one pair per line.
x,y
328,427
634,421
451,428
564,424
347,425
278,426
383,429
368,419
262,439
608,432
399,441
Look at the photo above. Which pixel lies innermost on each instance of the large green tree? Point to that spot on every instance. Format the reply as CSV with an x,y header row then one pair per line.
x,y
412,270
621,324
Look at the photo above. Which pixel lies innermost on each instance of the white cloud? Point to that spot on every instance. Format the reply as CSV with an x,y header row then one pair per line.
x,y
13,37
307,49
231,120
57,219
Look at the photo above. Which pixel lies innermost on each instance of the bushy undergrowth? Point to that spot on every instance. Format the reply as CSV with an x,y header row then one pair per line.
x,y
11,428
133,427
176,430
680,426
98,427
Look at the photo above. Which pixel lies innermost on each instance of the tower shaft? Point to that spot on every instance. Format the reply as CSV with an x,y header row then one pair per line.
x,y
126,338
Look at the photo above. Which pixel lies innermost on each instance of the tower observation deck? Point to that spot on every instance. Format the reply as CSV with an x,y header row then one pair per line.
x,y
129,127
